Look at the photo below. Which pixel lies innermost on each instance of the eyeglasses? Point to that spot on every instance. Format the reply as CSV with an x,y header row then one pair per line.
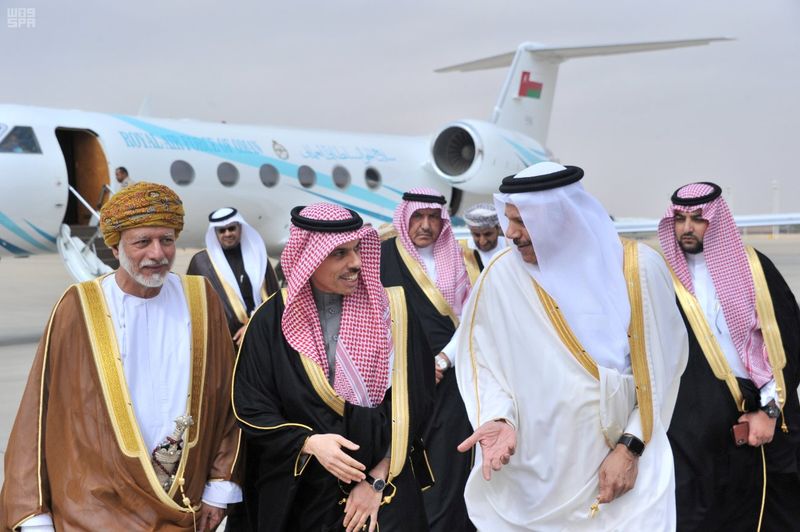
x,y
227,229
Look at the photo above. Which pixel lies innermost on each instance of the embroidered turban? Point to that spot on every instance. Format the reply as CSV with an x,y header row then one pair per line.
x,y
481,215
140,205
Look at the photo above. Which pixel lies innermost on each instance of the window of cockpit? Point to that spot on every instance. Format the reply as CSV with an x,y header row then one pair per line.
x,y
21,139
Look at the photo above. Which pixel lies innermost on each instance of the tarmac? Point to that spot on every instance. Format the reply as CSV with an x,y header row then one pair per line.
x,y
29,287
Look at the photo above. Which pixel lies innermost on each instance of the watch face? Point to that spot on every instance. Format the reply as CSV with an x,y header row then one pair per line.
x,y
441,363
379,484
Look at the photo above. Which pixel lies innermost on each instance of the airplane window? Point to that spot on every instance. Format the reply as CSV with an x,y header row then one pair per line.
x,y
341,176
307,176
373,178
21,139
227,174
182,172
269,175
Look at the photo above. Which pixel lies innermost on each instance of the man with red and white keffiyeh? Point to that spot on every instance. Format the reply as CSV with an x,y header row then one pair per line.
x,y
738,296
332,386
426,260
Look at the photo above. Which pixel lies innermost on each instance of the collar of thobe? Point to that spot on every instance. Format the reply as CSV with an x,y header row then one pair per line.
x,y
579,264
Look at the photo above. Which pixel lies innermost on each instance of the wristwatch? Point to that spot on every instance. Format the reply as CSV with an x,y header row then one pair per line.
x,y
377,483
771,409
442,363
634,444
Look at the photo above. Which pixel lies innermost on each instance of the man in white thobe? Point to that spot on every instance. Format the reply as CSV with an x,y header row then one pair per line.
x,y
569,363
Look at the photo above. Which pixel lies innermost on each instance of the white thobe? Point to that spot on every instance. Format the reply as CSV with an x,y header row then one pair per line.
x,y
525,374
706,295
426,254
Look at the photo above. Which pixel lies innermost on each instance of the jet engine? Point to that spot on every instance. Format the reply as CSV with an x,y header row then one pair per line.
x,y
475,156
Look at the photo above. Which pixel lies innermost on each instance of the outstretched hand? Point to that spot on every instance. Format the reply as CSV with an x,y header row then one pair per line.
x,y
498,441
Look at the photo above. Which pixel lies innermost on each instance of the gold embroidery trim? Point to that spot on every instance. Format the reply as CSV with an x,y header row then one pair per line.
x,y
769,325
707,341
470,262
233,385
472,357
117,398
424,282
636,338
321,385
430,471
194,289
233,298
319,381
564,332
400,408
238,450
301,461
109,367
45,357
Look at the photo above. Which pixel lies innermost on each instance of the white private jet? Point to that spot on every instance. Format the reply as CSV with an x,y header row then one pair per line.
x,y
56,166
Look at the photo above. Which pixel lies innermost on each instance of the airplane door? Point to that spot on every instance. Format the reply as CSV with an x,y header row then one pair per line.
x,y
79,241
87,170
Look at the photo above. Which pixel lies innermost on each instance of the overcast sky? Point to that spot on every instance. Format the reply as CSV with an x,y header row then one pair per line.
x,y
640,125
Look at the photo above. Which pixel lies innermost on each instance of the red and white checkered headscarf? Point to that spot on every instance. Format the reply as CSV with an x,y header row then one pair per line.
x,y
727,263
365,330
451,274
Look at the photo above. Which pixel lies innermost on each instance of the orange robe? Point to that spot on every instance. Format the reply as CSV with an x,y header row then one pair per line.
x,y
76,451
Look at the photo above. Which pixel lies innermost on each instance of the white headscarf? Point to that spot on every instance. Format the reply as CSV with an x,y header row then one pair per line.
x,y
579,262
254,252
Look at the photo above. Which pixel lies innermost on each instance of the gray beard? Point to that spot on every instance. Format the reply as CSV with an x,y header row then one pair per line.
x,y
154,281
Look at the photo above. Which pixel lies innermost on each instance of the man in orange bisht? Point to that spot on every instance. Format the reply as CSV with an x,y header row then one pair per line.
x,y
125,422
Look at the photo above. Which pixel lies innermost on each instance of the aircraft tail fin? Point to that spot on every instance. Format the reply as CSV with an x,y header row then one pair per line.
x,y
526,100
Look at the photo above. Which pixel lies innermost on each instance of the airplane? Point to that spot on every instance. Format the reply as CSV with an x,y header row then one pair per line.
x,y
56,166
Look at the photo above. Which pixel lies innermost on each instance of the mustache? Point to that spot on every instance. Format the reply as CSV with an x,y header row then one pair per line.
x,y
521,242
151,262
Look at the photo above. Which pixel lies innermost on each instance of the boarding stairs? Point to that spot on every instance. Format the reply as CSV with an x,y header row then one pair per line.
x,y
81,246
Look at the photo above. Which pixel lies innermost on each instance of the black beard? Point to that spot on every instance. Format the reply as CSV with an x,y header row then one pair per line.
x,y
692,250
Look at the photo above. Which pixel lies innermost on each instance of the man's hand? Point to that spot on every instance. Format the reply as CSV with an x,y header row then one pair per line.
x,y
617,473
440,372
209,517
237,337
498,441
327,449
362,503
762,427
